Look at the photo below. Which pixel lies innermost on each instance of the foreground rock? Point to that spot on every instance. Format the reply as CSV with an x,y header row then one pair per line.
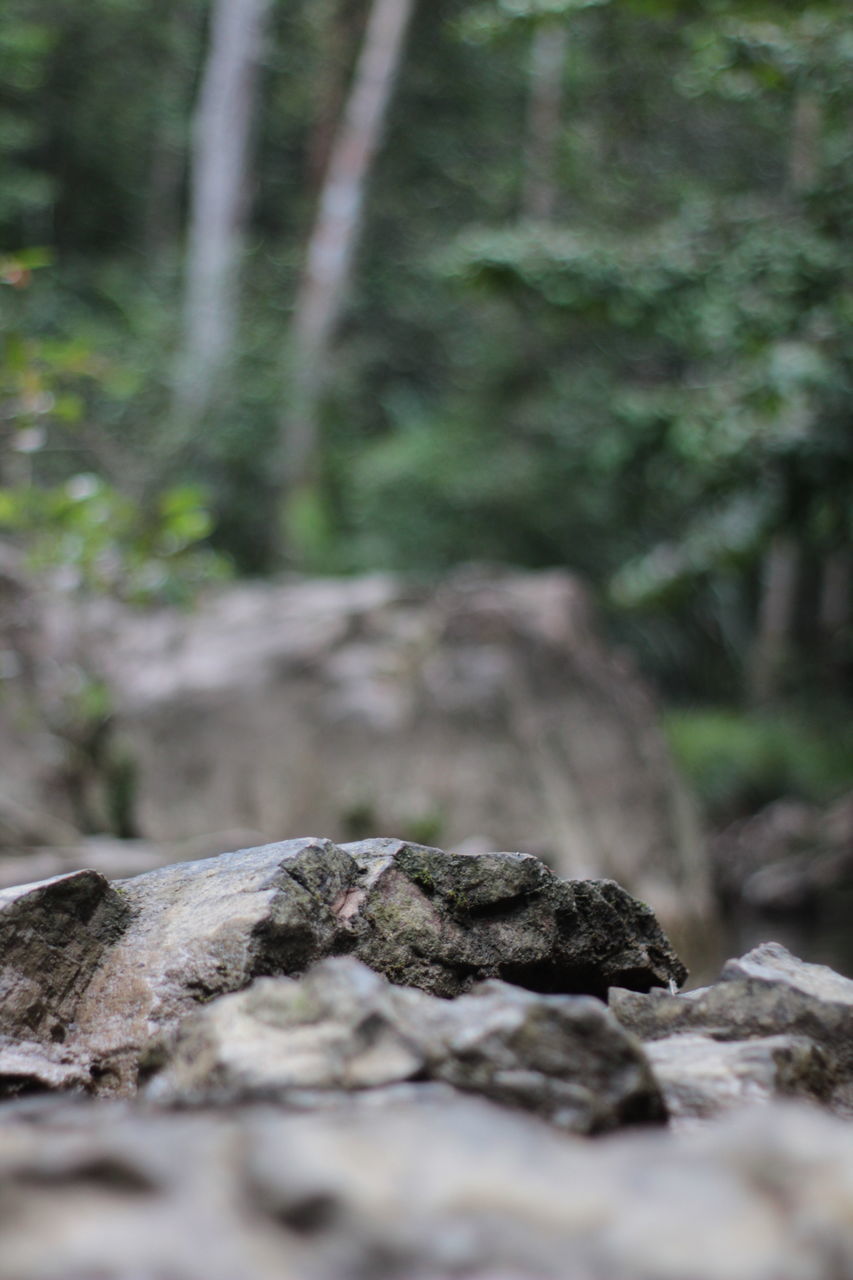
x,y
345,1028
419,1189
772,1025
101,967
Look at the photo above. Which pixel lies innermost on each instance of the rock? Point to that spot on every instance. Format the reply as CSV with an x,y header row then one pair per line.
x,y
767,993
443,922
701,1077
480,713
137,955
421,1189
787,858
343,1027
53,937
29,1067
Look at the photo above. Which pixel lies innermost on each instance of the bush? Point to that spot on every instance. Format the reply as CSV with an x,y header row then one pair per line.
x,y
739,761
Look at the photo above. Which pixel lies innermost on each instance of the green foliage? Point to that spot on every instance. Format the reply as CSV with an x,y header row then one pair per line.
x,y
648,389
103,541
101,537
737,762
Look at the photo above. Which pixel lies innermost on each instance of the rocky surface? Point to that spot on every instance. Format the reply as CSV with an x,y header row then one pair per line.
x,y
772,1025
418,1188
345,1028
100,967
480,713
378,1061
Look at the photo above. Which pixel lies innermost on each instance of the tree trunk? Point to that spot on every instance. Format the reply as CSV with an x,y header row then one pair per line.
x,y
834,615
332,244
339,27
777,606
804,156
544,120
218,203
777,603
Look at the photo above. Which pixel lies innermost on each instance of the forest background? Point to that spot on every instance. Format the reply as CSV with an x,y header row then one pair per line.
x,y
339,285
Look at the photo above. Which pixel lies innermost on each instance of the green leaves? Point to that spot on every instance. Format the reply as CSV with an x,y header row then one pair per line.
x,y
98,539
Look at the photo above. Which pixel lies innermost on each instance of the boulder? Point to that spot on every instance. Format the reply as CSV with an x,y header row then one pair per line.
x,y
53,937
102,966
483,712
788,858
418,1188
772,1024
345,1028
701,1077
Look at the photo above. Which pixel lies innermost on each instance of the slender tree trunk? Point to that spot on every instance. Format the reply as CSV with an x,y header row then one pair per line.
x,y
544,120
218,203
338,27
777,604
777,608
332,245
804,156
834,613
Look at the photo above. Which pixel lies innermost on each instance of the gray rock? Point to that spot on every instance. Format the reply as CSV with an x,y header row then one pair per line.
x,y
443,922
480,711
53,936
786,858
109,966
701,1077
419,1190
27,1067
767,993
343,1027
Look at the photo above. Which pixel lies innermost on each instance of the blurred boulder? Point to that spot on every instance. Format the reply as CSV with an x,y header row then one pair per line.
x,y
417,1189
787,858
484,712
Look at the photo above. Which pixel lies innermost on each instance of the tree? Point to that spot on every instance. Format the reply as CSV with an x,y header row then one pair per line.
x,y
218,203
331,248
549,46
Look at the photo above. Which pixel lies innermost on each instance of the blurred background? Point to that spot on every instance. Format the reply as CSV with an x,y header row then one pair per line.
x,y
332,288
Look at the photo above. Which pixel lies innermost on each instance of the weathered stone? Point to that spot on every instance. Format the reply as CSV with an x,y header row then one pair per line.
x,y
108,967
443,922
201,929
767,993
701,1077
787,858
419,1190
29,1067
481,711
344,1027
53,936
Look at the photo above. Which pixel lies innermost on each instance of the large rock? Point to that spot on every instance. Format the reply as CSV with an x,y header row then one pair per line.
x,y
787,859
772,1025
104,966
482,713
417,1189
702,1077
344,1027
53,937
